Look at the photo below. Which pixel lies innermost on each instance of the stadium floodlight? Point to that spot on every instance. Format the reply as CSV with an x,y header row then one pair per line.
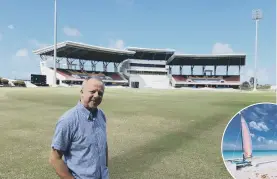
x,y
256,16
55,44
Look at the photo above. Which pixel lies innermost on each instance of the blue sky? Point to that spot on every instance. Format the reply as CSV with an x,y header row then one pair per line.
x,y
188,26
262,123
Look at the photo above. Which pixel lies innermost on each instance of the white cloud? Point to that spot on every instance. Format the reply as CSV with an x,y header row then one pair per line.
x,y
73,32
11,26
254,115
252,135
272,142
220,48
37,44
230,146
261,139
260,111
117,44
262,75
22,52
266,144
260,126
21,70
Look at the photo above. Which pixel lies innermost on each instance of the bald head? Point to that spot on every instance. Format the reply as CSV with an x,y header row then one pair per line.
x,y
92,92
88,81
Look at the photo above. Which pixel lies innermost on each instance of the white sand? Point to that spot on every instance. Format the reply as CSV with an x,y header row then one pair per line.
x,y
262,168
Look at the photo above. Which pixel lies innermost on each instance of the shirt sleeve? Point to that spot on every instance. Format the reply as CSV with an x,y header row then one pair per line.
x,y
104,116
62,135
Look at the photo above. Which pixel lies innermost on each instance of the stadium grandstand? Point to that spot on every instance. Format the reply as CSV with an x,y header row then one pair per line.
x,y
76,56
134,67
208,78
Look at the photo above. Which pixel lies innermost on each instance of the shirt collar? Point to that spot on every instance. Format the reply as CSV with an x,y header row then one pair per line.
x,y
85,112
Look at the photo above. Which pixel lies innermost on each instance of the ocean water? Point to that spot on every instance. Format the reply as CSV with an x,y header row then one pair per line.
x,y
230,154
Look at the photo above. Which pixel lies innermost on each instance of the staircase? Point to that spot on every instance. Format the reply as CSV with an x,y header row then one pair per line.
x,y
29,84
122,76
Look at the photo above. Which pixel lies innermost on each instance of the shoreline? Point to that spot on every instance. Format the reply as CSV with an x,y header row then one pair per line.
x,y
262,167
255,157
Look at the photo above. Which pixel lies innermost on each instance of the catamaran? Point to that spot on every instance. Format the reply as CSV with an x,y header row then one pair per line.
x,y
246,147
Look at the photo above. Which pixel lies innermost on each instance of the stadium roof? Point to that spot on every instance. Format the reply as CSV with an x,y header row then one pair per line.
x,y
81,51
151,54
209,60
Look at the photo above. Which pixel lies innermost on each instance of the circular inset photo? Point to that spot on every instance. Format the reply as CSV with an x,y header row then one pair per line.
x,y
249,143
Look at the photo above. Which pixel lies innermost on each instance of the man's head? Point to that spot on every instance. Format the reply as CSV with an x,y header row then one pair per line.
x,y
92,92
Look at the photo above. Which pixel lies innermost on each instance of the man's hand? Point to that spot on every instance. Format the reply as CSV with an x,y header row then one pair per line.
x,y
68,177
58,164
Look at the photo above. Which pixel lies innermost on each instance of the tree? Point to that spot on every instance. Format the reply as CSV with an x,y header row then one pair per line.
x,y
251,81
245,85
5,82
19,83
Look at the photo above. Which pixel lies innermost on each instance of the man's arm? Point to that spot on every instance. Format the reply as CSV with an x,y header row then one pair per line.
x,y
107,149
107,155
58,164
61,142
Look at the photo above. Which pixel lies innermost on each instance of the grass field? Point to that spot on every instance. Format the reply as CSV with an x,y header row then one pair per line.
x,y
151,134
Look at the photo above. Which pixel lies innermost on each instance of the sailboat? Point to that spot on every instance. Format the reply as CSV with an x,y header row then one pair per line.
x,y
246,147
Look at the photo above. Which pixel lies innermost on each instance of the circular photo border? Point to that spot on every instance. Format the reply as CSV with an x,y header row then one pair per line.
x,y
250,151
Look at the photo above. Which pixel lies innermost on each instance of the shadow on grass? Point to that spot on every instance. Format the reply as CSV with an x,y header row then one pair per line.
x,y
138,160
238,105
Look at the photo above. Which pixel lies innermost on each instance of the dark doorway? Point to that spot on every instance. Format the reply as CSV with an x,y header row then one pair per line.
x,y
135,84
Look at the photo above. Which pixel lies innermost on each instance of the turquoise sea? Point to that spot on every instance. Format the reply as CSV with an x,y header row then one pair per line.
x,y
230,154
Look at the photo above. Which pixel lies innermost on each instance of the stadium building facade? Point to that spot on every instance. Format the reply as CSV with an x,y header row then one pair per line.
x,y
208,78
137,67
147,68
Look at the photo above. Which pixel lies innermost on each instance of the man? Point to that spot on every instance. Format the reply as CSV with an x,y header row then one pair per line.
x,y
80,137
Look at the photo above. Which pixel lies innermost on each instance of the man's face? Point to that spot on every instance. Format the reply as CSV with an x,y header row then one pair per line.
x,y
92,93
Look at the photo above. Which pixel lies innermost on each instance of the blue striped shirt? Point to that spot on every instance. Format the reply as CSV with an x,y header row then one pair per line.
x,y
81,135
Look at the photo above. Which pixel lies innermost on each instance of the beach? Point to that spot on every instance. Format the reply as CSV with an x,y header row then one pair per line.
x,y
263,167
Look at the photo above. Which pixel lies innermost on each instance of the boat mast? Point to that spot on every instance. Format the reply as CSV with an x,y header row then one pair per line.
x,y
241,138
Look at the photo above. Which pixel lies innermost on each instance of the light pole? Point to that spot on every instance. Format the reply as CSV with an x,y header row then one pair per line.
x,y
256,16
55,44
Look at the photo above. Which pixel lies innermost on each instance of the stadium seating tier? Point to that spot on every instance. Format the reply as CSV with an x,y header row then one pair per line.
x,y
198,78
78,74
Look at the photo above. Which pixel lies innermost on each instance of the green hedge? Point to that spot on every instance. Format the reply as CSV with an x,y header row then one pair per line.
x,y
4,81
19,83
264,87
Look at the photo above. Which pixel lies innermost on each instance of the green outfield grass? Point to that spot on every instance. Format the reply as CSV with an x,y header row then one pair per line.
x,y
157,134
